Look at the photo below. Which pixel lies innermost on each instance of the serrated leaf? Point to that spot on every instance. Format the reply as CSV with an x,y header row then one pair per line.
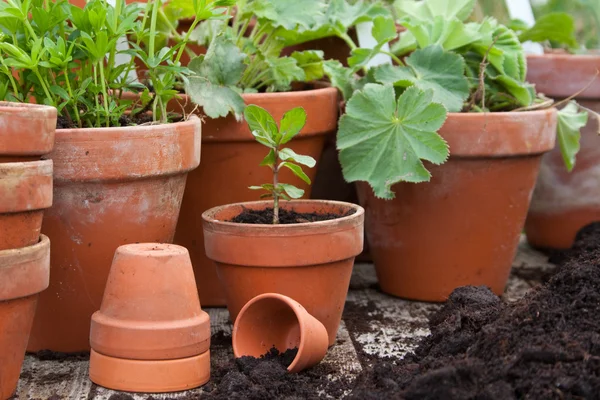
x,y
292,191
341,78
284,71
297,170
450,33
431,68
429,9
291,124
570,123
261,124
311,62
289,14
384,29
291,155
556,27
382,141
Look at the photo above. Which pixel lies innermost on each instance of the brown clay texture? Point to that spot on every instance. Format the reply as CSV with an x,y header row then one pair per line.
x,y
230,164
564,202
463,227
112,186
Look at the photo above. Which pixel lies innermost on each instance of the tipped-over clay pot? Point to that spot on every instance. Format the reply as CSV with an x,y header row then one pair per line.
x,y
150,334
25,192
273,320
309,262
24,273
26,131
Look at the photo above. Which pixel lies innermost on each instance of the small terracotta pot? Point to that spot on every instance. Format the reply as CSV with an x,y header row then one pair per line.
x,y
24,273
231,164
25,192
273,320
150,321
564,202
309,262
463,227
112,186
26,131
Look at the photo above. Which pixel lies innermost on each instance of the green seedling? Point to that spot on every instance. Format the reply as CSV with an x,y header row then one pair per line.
x,y
266,132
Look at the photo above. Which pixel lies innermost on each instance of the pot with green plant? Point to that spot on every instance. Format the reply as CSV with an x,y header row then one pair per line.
x,y
120,166
240,68
303,249
456,113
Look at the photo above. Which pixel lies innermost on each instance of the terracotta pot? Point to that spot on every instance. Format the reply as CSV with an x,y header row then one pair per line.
x,y
150,326
564,202
112,186
273,320
24,273
463,227
231,164
26,131
25,192
309,262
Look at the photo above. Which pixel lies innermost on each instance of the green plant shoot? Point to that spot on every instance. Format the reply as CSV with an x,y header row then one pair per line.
x,y
266,132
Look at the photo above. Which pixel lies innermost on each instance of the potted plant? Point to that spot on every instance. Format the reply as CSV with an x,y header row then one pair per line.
x,y
240,68
567,199
120,166
303,249
459,98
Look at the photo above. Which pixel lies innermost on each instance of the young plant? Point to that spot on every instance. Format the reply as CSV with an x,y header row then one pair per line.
x,y
266,132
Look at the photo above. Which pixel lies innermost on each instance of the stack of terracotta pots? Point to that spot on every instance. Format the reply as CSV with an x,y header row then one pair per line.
x,y
26,133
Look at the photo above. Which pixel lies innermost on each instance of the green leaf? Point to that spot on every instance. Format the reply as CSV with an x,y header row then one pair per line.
x,y
291,155
570,122
429,9
555,27
451,34
431,68
269,160
311,61
342,78
291,124
382,141
291,190
284,71
384,29
289,14
297,170
262,125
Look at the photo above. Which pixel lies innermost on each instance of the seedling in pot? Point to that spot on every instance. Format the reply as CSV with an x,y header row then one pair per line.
x,y
266,132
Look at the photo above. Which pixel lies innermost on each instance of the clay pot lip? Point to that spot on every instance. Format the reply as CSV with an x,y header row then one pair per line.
x,y
156,250
290,303
25,254
566,57
208,216
101,134
28,110
26,269
503,114
26,169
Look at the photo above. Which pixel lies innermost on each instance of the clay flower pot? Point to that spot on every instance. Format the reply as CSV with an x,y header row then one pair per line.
x,y
112,186
150,334
463,227
231,158
564,202
24,273
25,192
26,131
273,320
309,262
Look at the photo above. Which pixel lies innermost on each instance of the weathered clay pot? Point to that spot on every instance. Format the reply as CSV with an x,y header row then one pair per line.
x,y
463,227
231,159
25,192
24,273
564,202
150,326
273,320
112,186
26,131
309,262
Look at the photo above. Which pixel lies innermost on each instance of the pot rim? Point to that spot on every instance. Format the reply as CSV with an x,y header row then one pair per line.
x,y
28,110
26,261
117,129
570,57
29,186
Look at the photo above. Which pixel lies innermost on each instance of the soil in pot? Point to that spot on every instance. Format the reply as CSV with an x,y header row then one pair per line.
x,y
286,217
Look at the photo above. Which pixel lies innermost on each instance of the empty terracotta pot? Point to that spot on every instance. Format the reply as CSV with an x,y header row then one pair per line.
x,y
564,202
309,262
231,159
463,227
25,192
273,320
112,186
24,273
26,131
150,334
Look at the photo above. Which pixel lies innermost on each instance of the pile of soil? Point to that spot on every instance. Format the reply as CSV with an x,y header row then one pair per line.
x,y
286,217
545,346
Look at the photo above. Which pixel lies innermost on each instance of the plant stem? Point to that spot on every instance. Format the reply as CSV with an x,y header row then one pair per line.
x,y
394,57
155,8
70,91
275,191
44,86
104,93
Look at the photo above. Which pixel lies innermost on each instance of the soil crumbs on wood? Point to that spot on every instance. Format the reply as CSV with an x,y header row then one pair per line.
x,y
545,346
286,217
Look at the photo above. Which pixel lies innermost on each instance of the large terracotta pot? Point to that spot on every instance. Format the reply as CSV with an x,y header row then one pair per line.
x,y
231,159
463,227
24,273
309,262
112,186
564,202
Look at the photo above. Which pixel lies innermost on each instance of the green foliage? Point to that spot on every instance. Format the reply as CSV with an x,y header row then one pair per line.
x,y
570,122
266,132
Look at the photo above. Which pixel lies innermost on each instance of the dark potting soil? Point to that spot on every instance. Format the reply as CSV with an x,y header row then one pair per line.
x,y
47,355
545,346
125,120
286,217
